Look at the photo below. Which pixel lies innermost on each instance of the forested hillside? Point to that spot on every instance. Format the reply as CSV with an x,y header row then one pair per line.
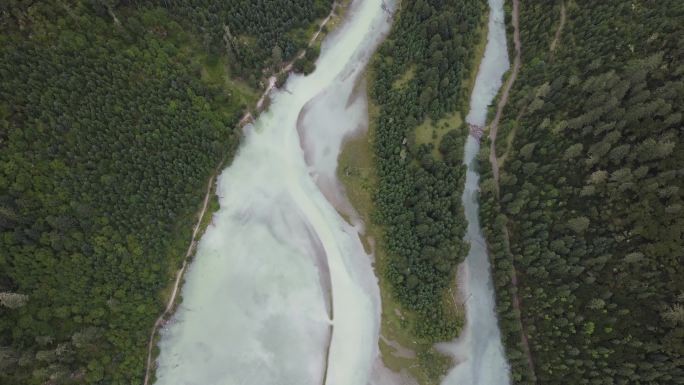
x,y
589,217
113,114
418,136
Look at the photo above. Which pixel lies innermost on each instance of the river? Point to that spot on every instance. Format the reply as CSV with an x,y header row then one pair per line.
x,y
478,350
281,291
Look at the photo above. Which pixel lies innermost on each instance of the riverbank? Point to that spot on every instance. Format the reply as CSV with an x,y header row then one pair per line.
x,y
414,358
278,78
479,348
356,171
401,350
172,302
253,292
214,72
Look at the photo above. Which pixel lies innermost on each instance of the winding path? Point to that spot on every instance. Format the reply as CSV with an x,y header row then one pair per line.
x,y
563,15
179,275
493,129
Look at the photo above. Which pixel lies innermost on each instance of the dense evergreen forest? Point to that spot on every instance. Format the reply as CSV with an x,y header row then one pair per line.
x,y
113,114
588,213
418,83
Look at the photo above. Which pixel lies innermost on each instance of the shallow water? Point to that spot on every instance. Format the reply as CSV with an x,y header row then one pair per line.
x,y
281,290
478,351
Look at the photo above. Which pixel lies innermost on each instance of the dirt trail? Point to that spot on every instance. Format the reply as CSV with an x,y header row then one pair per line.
x,y
554,43
493,129
247,117
179,275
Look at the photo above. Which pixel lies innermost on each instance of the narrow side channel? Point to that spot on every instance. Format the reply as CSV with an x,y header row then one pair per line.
x,y
478,351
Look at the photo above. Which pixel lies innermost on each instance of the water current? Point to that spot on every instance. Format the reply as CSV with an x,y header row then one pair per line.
x,y
281,290
478,350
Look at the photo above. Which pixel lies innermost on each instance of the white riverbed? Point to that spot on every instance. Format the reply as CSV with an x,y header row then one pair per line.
x,y
478,351
256,301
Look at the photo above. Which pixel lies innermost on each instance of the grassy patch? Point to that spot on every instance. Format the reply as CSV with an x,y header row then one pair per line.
x,y
405,78
355,170
430,132
235,95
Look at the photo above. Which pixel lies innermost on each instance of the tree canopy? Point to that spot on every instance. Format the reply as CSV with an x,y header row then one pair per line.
x,y
591,195
418,86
